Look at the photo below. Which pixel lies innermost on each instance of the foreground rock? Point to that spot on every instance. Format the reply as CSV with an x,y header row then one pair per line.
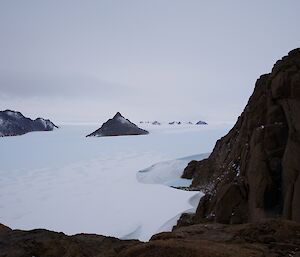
x,y
267,238
13,123
44,243
254,171
118,126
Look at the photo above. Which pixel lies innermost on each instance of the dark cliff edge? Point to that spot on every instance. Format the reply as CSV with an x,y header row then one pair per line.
x,y
253,171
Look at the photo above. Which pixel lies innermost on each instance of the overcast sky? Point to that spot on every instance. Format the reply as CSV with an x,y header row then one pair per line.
x,y
149,59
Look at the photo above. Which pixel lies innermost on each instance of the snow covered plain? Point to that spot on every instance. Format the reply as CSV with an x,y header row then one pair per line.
x,y
65,182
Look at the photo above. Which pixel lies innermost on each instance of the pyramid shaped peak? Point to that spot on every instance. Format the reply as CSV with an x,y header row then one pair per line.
x,y
118,126
117,115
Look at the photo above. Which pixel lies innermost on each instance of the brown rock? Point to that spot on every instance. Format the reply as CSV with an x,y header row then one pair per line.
x,y
267,238
260,154
43,243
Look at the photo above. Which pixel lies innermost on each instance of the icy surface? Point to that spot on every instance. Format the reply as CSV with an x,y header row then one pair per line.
x,y
168,172
66,182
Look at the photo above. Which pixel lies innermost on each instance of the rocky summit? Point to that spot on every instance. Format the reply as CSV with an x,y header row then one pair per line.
x,y
254,172
13,123
118,126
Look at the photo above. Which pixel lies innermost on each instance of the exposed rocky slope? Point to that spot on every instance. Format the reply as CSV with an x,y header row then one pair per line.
x,y
253,171
13,123
272,238
118,126
44,243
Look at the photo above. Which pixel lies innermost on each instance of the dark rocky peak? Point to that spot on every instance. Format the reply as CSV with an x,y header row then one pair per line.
x,y
156,122
12,114
13,123
118,126
200,122
119,118
254,172
118,115
45,124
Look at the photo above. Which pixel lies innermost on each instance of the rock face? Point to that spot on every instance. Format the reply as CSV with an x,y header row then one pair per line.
x,y
118,126
14,123
267,238
254,171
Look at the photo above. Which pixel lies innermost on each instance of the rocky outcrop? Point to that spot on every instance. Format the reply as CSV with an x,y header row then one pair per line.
x,y
40,242
156,123
253,171
13,123
200,122
267,238
118,126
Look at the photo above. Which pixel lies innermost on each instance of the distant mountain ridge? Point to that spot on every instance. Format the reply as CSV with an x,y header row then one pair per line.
x,y
174,122
13,123
201,123
118,126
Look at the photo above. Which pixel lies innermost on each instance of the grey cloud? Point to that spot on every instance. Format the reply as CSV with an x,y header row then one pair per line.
x,y
24,85
153,59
